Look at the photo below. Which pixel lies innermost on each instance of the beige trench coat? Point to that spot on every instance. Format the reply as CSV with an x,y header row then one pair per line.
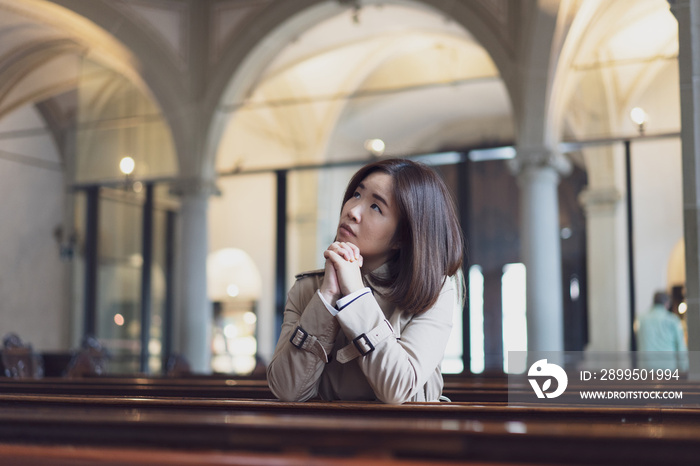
x,y
403,366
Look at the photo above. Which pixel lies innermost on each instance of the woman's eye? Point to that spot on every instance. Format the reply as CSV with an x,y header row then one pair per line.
x,y
376,207
356,195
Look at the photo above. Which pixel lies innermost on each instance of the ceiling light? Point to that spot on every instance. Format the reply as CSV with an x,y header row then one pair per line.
x,y
682,308
126,165
639,117
375,146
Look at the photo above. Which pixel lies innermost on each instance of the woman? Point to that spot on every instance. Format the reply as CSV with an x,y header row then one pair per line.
x,y
375,322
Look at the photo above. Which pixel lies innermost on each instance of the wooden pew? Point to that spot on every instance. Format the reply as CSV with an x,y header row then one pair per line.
x,y
53,455
422,431
466,389
209,387
142,386
458,411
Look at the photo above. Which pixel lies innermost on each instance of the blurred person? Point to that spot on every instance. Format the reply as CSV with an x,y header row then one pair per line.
x,y
660,331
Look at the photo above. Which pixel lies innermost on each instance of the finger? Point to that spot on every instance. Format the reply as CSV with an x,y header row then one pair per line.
x,y
355,250
338,261
352,250
343,250
346,252
334,257
336,248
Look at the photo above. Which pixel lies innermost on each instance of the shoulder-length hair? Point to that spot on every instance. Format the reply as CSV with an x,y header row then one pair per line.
x,y
428,235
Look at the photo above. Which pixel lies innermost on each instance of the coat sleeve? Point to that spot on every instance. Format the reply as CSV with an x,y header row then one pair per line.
x,y
397,368
294,372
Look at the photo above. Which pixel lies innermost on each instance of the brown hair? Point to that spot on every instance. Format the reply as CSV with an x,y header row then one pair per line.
x,y
428,233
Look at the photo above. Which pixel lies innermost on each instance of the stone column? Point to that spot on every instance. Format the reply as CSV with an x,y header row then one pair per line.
x,y
687,13
608,321
73,326
194,313
538,174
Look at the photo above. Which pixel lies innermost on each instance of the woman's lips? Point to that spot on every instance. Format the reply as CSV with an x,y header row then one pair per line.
x,y
346,230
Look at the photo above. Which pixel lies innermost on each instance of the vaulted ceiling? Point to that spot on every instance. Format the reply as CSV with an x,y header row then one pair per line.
x,y
399,72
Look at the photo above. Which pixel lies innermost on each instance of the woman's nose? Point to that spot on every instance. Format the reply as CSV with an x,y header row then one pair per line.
x,y
354,213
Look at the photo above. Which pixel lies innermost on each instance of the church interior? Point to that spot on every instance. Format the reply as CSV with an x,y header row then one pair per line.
x,y
168,167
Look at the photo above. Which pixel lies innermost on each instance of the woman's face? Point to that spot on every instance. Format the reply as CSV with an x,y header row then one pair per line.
x,y
369,219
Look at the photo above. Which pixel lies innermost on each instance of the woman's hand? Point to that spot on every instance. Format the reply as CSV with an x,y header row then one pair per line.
x,y
342,274
330,288
347,251
346,261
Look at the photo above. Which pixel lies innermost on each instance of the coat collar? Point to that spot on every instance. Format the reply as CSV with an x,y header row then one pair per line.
x,y
380,272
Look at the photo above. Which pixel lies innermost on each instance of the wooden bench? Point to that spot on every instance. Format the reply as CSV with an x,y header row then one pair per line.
x,y
142,386
463,389
53,455
441,411
420,431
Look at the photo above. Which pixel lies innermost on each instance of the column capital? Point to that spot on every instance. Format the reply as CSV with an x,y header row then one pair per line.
x,y
600,200
528,158
192,187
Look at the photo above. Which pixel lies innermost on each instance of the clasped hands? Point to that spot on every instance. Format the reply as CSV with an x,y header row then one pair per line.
x,y
342,274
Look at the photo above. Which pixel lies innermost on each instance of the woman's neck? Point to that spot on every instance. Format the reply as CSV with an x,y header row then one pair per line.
x,y
370,266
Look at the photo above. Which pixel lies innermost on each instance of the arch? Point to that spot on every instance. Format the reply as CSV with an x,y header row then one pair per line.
x,y
22,61
117,41
601,22
251,49
476,19
100,44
